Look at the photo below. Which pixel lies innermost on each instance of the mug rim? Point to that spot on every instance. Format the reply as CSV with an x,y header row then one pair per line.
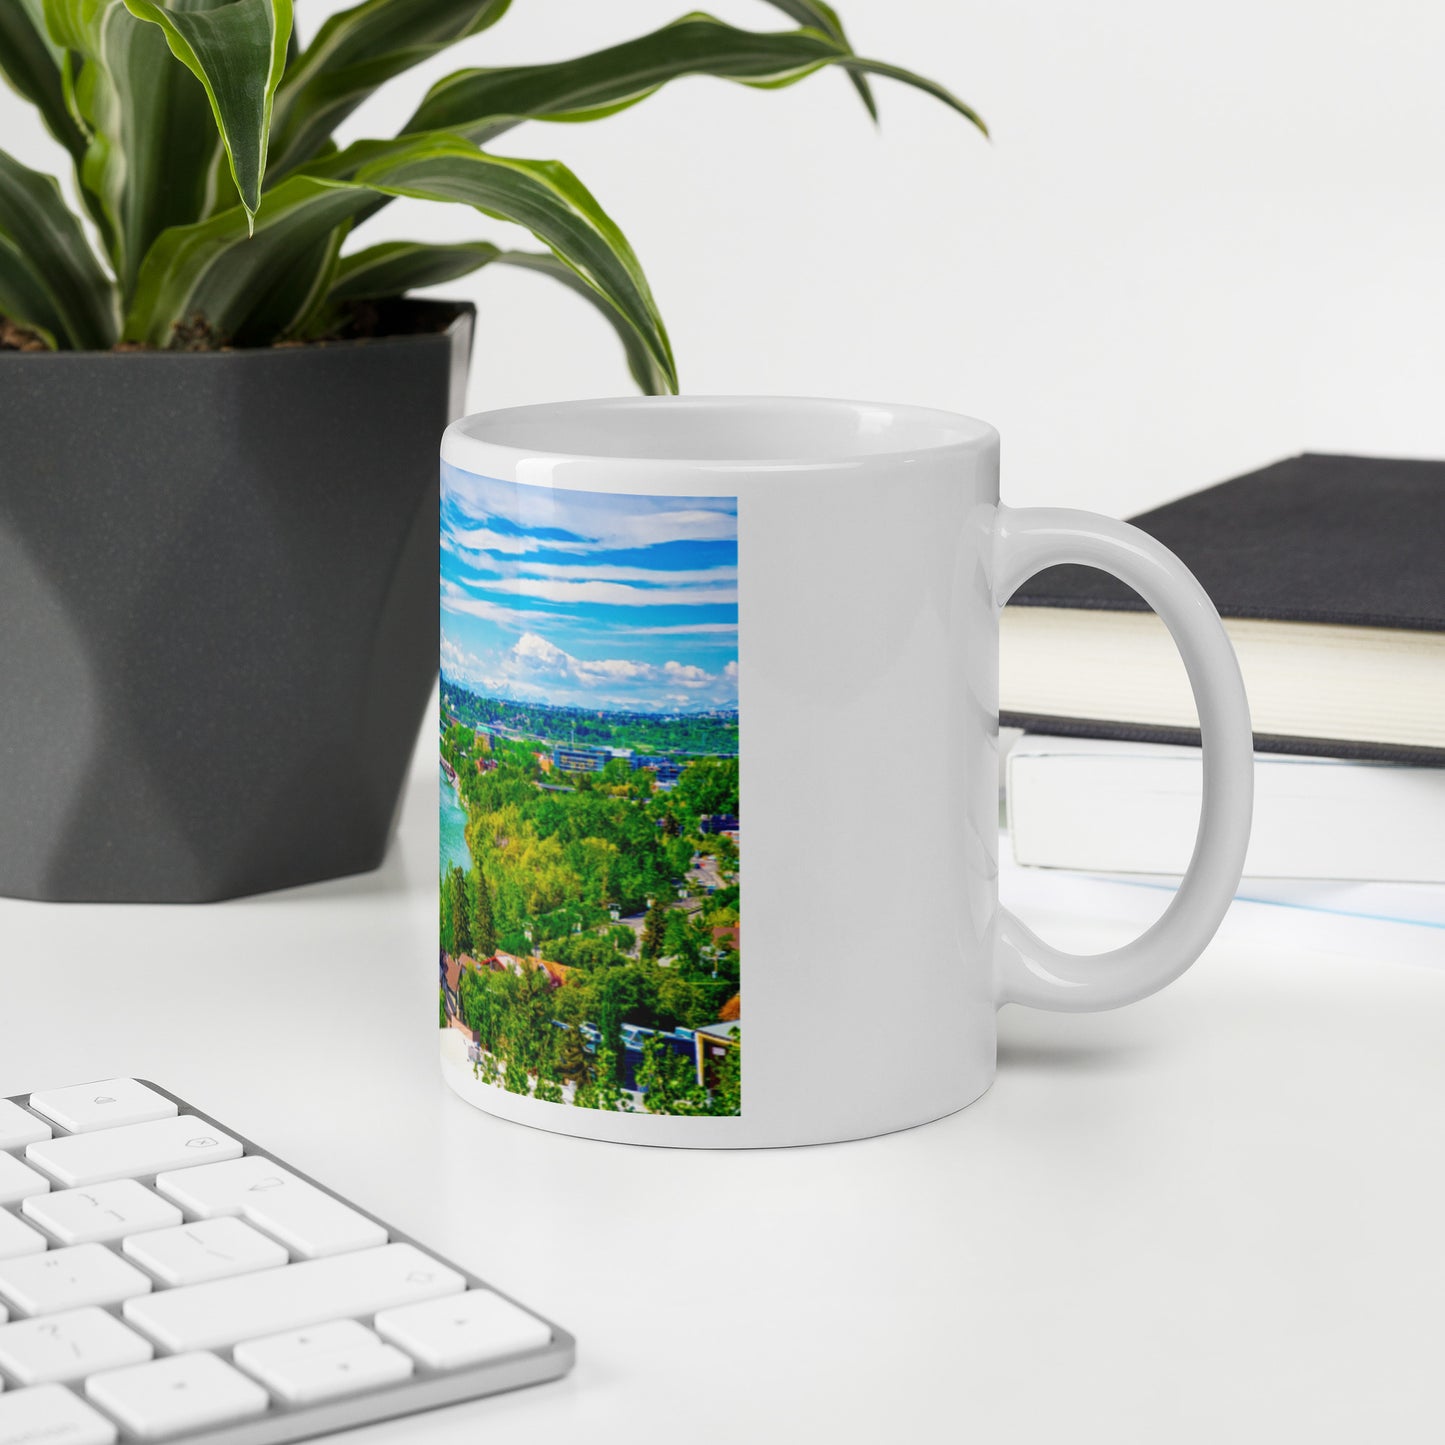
x,y
831,433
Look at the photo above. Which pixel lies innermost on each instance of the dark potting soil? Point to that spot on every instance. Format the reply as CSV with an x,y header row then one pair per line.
x,y
19,338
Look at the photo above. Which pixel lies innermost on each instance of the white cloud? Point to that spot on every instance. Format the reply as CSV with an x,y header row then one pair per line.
x,y
615,594
658,528
484,539
533,658
581,572
685,674
536,652
590,521
648,529
686,629
457,599
605,532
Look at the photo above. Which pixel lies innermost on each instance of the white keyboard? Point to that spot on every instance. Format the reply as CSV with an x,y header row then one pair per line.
x,y
163,1279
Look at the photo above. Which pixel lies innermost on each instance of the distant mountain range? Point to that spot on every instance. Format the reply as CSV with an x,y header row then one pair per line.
x,y
712,732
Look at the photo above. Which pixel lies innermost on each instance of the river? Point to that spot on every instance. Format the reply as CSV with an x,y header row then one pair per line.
x,y
454,829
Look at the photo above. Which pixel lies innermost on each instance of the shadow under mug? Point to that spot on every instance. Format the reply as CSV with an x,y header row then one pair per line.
x,y
719,735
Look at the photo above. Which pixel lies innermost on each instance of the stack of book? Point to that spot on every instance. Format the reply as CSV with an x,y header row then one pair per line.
x,y
1329,572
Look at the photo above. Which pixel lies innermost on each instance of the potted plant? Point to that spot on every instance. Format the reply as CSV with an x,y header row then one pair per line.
x,y
218,430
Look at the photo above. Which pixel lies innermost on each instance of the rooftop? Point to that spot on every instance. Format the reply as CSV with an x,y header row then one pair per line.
x,y
729,1030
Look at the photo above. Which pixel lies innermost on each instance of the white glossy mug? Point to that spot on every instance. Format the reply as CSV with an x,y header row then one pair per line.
x,y
720,725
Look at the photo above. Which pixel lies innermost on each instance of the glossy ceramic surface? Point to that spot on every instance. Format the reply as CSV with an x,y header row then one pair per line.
x,y
873,560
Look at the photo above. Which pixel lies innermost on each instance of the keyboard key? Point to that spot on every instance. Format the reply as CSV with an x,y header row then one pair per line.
x,y
468,1329
227,1311
67,1279
18,1128
173,1396
56,1349
337,1337
305,1366
132,1151
307,1220
102,1213
18,1181
83,1108
18,1238
209,1249
51,1415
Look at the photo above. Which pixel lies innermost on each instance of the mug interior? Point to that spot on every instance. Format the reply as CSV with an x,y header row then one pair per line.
x,y
779,431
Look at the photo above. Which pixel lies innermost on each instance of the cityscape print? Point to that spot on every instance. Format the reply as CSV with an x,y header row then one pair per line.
x,y
591,942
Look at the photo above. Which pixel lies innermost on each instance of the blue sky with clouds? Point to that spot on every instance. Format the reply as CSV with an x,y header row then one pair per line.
x,y
589,599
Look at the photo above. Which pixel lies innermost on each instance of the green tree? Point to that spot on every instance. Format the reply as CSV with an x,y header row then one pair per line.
x,y
516,1079
616,773
606,1092
614,999
442,994
727,1095
461,917
678,939
457,743
482,924
668,1080
448,919
653,930
575,1067
584,951
709,785
720,902
482,1006
681,1001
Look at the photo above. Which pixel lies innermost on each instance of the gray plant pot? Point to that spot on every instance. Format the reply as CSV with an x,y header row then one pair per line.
x,y
218,609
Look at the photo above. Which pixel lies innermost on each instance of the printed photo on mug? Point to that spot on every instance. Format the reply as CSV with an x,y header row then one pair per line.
x,y
591,926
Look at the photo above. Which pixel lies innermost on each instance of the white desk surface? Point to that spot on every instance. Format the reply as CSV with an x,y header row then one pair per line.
x,y
1216,1215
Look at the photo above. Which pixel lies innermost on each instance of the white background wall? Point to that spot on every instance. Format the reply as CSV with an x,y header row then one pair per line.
x,y
1202,237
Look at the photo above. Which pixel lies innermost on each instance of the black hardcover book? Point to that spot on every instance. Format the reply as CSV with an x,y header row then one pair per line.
x,y
1330,574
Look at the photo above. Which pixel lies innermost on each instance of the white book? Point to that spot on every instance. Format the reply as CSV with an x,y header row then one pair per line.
x,y
1105,806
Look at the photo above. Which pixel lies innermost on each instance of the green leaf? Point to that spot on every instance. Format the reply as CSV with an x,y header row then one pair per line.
x,y
48,264
481,104
356,51
859,65
31,64
543,196
237,51
24,298
150,160
815,15
396,267
211,271
641,363
298,296
222,276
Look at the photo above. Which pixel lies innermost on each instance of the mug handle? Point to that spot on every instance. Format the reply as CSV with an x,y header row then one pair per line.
x,y
1030,971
